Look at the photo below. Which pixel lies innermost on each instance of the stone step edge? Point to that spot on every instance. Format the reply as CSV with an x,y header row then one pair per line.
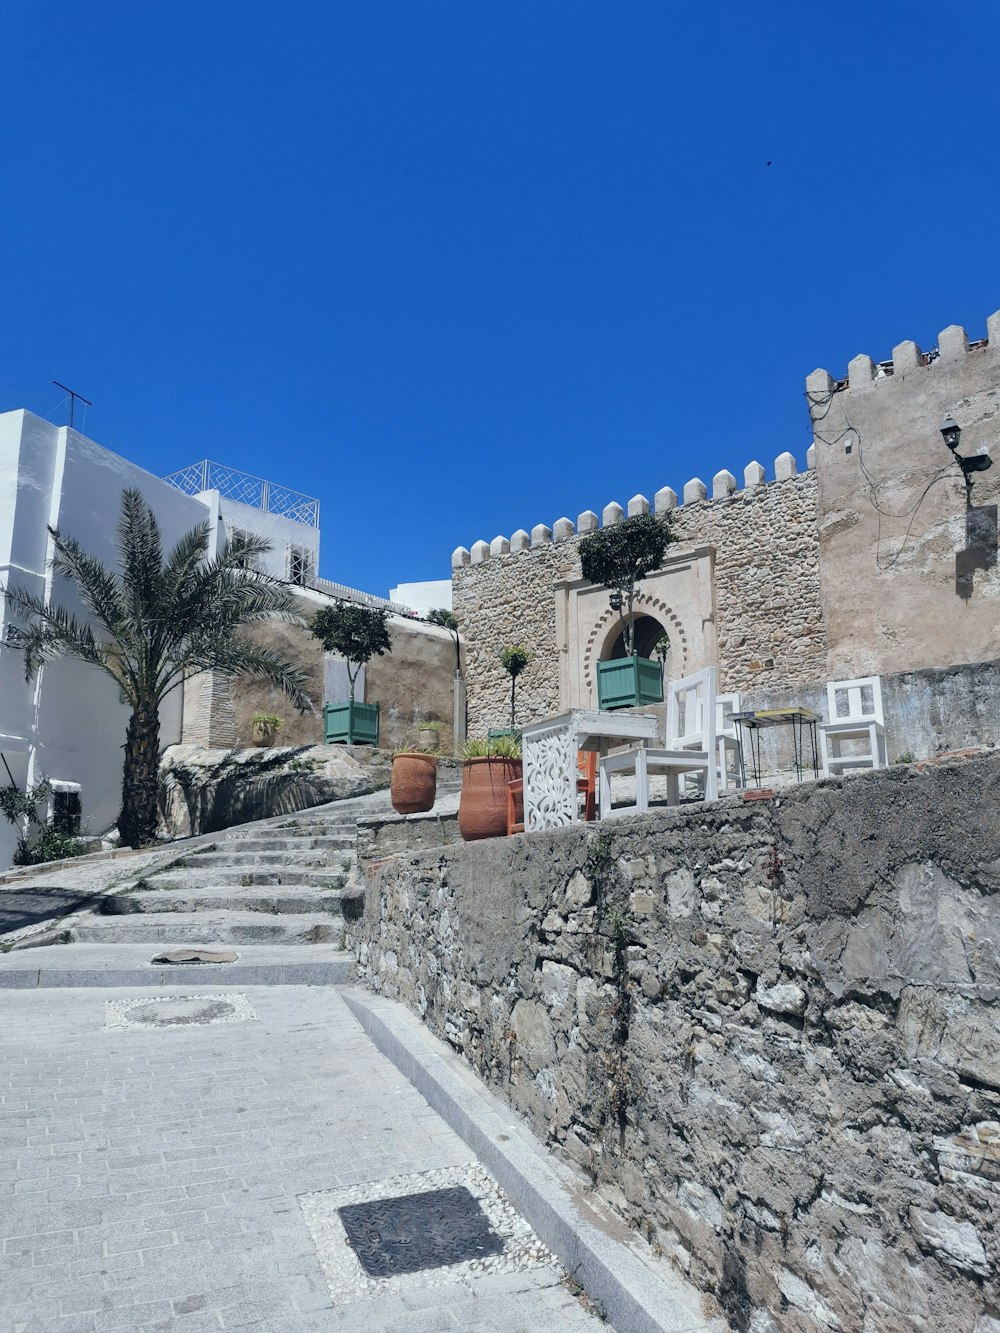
x,y
335,972
636,1293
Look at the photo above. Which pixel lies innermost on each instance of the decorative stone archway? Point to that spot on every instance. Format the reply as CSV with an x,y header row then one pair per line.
x,y
680,595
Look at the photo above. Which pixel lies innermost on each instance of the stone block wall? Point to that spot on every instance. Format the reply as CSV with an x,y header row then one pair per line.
x,y
767,616
769,1032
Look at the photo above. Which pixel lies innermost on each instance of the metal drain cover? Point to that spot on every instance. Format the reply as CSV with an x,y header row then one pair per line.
x,y
415,1231
170,1011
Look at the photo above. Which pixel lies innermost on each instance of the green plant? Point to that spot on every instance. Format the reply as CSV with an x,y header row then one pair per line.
x,y
266,725
619,556
904,758
20,808
50,845
356,633
446,619
514,658
661,647
500,747
153,622
429,726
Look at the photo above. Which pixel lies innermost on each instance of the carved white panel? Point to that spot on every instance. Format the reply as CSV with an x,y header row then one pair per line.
x,y
549,778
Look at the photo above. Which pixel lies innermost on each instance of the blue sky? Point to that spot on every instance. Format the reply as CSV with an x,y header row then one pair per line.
x,y
462,266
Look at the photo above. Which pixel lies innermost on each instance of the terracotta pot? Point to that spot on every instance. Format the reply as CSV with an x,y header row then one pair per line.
x,y
482,810
414,783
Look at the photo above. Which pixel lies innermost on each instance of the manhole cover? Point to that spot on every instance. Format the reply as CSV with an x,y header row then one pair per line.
x,y
418,1231
412,1232
170,1011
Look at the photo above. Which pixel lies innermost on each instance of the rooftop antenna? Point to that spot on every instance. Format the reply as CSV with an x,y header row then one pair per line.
x,y
73,396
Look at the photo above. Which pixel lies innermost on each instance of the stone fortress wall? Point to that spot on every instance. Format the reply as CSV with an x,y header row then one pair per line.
x,y
739,589
847,569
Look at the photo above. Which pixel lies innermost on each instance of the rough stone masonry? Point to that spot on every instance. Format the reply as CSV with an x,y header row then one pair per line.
x,y
770,1032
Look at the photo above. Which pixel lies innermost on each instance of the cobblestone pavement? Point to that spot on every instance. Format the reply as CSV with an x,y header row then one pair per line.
x,y
150,1175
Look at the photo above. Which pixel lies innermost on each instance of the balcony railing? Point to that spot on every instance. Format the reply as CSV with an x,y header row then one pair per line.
x,y
246,489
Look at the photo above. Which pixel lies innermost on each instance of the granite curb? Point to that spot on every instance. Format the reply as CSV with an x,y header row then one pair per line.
x,y
636,1291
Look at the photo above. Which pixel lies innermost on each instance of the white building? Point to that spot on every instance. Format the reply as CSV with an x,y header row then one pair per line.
x,y
69,724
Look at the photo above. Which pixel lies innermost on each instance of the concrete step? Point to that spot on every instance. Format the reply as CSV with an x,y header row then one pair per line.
x,y
206,928
340,902
130,965
214,876
313,858
268,842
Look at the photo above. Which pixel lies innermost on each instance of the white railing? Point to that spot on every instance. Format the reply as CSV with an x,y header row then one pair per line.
x,y
347,594
247,490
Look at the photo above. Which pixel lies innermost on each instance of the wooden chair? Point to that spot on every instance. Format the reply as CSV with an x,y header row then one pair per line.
x,y
856,716
691,709
728,741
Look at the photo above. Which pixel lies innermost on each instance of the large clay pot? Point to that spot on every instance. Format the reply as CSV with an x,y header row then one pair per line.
x,y
482,810
414,783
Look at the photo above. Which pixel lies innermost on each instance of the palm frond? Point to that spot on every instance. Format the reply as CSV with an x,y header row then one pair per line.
x,y
140,553
240,657
100,590
51,631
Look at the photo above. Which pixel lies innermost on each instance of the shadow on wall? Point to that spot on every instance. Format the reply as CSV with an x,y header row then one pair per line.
x,y
980,550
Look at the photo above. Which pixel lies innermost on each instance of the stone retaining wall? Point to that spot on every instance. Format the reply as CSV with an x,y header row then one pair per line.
x,y
769,1032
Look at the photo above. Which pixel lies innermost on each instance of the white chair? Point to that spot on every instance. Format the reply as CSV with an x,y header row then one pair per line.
x,y
691,715
856,717
728,741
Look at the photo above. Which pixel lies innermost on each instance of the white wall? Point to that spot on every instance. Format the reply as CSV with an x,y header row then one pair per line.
x,y
427,596
280,532
71,723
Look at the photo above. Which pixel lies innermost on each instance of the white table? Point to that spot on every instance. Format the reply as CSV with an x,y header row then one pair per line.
x,y
549,749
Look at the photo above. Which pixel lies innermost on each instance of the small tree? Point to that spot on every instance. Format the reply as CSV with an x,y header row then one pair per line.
x,y
355,632
448,620
620,556
514,658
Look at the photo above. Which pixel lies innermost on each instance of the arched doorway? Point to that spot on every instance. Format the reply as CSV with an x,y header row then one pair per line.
x,y
648,632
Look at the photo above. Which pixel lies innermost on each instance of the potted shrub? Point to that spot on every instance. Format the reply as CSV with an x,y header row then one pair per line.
x,y
514,659
356,633
265,727
414,782
618,557
487,769
428,735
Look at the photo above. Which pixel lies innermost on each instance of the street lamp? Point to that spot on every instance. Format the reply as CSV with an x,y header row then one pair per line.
x,y
951,433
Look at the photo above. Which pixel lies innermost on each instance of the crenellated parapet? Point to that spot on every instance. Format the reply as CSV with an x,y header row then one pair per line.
x,y
953,346
724,489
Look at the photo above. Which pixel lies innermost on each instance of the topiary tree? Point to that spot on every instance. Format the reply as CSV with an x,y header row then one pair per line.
x,y
448,620
514,659
355,632
618,557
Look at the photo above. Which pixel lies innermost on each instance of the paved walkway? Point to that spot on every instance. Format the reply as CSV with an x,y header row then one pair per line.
x,y
151,1178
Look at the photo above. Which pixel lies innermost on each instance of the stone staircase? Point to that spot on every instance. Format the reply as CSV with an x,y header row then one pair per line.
x,y
279,895
291,884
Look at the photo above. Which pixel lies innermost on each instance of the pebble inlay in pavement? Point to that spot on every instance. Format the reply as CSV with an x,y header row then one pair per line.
x,y
171,1011
440,1255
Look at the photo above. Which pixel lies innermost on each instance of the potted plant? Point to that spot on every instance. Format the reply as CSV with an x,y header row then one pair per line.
x,y
428,735
414,782
487,769
514,659
265,727
356,633
618,557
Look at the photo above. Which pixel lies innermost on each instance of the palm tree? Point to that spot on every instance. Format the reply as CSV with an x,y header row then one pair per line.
x,y
154,622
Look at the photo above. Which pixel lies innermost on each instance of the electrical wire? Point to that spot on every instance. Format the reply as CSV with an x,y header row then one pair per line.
x,y
936,475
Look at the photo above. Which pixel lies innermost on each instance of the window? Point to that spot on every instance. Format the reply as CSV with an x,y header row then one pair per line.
x,y
299,566
242,534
